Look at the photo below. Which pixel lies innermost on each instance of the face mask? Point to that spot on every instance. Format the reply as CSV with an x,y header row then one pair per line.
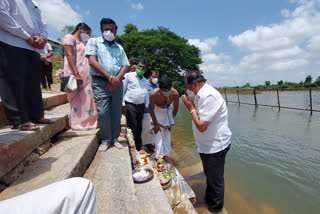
x,y
166,93
190,94
140,72
108,35
84,37
154,81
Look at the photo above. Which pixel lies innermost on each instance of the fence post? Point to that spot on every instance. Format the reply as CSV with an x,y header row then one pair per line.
x,y
278,99
310,100
225,93
238,96
255,97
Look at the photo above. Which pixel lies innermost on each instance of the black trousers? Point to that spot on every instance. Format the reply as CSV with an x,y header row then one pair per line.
x,y
46,74
134,122
19,84
213,166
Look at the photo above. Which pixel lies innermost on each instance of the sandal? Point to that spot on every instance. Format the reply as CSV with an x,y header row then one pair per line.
x,y
44,121
167,159
28,127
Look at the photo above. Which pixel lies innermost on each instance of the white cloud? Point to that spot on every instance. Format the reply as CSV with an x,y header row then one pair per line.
x,y
206,45
281,50
137,6
58,13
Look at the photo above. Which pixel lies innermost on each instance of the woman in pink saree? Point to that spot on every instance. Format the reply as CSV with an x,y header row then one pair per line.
x,y
83,111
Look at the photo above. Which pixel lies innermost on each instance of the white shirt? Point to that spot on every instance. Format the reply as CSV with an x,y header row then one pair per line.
x,y
45,51
135,90
19,20
212,108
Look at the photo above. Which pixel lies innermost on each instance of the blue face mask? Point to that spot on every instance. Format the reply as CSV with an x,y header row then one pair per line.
x,y
166,93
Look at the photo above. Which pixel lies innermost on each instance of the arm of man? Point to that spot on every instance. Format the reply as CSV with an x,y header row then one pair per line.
x,y
146,102
208,112
175,103
50,51
152,114
8,23
125,64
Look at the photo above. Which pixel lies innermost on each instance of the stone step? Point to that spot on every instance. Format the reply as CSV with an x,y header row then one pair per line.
x,y
111,172
16,145
69,157
50,99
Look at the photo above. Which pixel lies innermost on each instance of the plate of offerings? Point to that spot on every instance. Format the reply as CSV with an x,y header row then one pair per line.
x,y
142,175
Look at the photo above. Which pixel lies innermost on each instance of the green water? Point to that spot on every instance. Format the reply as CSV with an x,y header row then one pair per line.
x,y
273,165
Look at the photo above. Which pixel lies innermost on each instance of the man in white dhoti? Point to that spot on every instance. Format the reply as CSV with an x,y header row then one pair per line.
x,y
74,195
161,100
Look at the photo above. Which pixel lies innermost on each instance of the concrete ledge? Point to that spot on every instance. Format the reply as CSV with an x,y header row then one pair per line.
x,y
49,99
16,145
111,172
68,158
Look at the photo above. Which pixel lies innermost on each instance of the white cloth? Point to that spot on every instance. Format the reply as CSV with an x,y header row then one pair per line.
x,y
212,108
146,136
19,20
74,195
162,140
45,51
135,90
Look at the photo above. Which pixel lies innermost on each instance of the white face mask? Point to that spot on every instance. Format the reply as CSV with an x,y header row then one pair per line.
x,y
191,94
84,37
154,81
108,35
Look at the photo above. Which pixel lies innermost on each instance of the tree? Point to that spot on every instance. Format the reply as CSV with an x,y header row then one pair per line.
x,y
280,82
68,29
130,28
317,81
267,83
308,79
162,50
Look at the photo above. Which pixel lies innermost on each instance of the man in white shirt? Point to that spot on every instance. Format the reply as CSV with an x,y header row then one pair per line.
x,y
136,101
46,66
22,34
211,133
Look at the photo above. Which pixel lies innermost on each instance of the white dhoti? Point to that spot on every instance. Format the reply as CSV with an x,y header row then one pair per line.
x,y
146,136
74,195
162,139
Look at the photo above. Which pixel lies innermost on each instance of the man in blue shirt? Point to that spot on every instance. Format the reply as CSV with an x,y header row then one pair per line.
x,y
108,64
136,101
147,138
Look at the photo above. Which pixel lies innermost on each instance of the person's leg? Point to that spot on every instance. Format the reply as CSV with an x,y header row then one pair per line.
x,y
13,73
102,98
33,93
48,74
166,141
116,108
74,195
133,123
157,139
140,112
213,165
43,75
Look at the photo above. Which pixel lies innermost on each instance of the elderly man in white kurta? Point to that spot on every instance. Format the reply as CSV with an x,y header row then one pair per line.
x,y
212,134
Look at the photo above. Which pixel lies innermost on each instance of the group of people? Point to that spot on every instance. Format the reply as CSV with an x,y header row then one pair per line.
x,y
109,85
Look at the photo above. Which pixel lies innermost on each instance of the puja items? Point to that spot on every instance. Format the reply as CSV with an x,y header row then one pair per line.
x,y
142,175
160,165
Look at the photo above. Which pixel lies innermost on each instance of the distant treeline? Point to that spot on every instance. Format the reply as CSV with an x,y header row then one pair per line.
x,y
307,83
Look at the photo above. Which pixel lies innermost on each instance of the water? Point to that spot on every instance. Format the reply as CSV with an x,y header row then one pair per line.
x,y
273,165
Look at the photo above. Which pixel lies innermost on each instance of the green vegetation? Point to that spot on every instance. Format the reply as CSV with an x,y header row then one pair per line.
x,y
307,83
162,50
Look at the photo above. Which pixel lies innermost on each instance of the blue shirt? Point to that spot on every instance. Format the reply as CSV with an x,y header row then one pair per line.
x,y
150,88
135,90
112,58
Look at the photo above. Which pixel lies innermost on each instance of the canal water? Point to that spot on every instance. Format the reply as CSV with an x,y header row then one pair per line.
x,y
273,166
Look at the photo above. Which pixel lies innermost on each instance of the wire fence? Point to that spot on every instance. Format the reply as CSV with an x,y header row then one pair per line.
x,y
297,99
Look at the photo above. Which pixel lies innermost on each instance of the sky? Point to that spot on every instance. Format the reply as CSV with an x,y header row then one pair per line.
x,y
241,42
